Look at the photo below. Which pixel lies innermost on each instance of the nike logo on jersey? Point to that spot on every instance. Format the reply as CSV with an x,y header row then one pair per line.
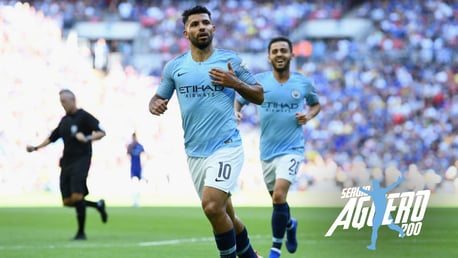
x,y
180,74
219,180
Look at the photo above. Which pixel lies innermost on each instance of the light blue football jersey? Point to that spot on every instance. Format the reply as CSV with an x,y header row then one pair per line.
x,y
280,132
207,110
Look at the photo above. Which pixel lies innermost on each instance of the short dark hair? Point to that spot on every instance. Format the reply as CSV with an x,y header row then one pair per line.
x,y
278,39
67,91
195,10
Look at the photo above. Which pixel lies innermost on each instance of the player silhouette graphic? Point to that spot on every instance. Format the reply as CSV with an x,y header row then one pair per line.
x,y
378,195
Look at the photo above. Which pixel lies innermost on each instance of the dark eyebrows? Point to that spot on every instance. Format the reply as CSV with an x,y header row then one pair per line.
x,y
284,49
206,20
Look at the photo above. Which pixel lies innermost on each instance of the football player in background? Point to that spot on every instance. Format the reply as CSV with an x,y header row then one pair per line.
x,y
282,115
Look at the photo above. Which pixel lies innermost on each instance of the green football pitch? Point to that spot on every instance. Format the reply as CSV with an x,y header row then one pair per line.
x,y
165,232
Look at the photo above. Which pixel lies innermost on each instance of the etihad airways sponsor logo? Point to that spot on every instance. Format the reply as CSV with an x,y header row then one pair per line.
x,y
279,107
193,91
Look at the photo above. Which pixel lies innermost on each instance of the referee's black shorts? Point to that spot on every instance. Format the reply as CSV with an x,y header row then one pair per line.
x,y
73,177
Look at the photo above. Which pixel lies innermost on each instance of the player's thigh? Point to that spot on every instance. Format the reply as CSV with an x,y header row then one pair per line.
x,y
220,170
65,182
197,170
223,168
284,167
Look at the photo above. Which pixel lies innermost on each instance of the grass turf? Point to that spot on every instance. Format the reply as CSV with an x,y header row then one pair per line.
x,y
184,232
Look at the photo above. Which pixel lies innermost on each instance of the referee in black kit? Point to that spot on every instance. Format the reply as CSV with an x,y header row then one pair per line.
x,y
78,129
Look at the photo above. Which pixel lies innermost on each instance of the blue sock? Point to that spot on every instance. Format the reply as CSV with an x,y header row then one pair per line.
x,y
280,217
290,222
226,244
244,249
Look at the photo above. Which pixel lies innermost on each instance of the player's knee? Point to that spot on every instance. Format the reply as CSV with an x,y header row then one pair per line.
x,y
76,197
212,209
67,202
279,197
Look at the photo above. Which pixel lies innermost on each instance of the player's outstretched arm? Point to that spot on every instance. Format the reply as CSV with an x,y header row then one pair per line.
x,y
31,148
158,105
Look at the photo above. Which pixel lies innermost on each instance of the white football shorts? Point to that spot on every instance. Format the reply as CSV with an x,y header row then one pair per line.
x,y
284,166
220,170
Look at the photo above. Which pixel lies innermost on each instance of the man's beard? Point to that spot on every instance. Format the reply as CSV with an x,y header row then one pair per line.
x,y
202,45
283,68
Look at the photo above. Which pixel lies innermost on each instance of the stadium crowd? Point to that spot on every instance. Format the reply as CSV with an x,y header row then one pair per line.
x,y
389,103
252,22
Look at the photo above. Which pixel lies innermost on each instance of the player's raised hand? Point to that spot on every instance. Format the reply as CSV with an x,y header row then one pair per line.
x,y
223,77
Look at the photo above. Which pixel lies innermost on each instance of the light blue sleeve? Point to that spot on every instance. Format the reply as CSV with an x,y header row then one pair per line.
x,y
244,74
311,97
242,71
167,85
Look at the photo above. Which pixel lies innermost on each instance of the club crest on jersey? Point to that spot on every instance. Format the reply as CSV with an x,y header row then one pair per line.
x,y
295,94
244,66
